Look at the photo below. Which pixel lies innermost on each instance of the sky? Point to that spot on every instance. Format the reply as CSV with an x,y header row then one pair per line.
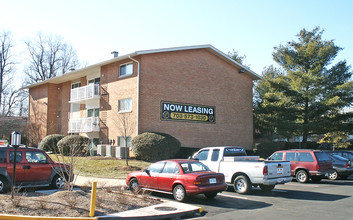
x,y
95,28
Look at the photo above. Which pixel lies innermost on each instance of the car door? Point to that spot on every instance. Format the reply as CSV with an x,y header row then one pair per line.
x,y
291,156
149,178
36,166
168,175
20,172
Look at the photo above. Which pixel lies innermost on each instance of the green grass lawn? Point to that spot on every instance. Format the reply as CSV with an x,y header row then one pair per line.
x,y
105,167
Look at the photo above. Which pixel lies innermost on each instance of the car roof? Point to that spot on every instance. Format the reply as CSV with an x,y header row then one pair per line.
x,y
20,147
313,150
180,160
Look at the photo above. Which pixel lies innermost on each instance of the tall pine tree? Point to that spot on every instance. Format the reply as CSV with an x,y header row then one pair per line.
x,y
306,95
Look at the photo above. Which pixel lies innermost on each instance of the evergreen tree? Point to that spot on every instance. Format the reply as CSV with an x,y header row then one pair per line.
x,y
307,93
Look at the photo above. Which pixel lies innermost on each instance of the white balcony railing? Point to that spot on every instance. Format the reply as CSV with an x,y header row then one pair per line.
x,y
79,125
83,93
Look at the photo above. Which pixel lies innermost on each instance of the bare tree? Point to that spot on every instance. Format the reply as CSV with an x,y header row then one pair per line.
x,y
6,62
126,128
49,57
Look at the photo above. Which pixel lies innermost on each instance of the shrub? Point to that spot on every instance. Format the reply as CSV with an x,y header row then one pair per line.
x,y
153,146
50,142
73,145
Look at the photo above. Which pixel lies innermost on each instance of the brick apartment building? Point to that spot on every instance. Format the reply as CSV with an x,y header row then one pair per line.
x,y
196,94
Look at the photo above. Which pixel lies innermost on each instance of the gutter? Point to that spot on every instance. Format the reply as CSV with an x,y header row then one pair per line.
x,y
138,93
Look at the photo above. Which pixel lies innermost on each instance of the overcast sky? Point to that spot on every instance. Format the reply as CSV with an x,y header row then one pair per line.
x,y
95,28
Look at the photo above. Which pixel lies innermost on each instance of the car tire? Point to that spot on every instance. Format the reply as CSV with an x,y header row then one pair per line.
x,y
302,176
4,185
267,188
333,176
134,185
211,195
58,182
242,184
179,193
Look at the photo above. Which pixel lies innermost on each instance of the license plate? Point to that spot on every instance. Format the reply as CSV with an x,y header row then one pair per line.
x,y
280,170
213,180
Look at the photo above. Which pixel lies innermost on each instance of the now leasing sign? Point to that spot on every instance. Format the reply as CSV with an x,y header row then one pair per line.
x,y
174,111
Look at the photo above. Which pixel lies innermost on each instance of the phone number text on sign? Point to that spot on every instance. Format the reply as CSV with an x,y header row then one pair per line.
x,y
174,111
189,116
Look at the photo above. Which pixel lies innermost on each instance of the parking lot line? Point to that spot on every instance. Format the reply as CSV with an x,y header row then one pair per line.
x,y
235,197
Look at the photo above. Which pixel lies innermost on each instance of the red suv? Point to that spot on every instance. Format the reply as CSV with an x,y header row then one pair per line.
x,y
305,164
33,168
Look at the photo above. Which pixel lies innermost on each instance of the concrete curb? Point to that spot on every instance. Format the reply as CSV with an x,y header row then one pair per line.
x,y
23,217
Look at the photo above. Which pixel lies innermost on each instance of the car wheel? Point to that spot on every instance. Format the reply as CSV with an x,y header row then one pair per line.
x,y
333,176
242,184
179,193
134,185
267,188
58,182
211,195
4,186
302,176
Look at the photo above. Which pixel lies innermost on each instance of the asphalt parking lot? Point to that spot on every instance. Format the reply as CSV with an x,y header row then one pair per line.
x,y
325,200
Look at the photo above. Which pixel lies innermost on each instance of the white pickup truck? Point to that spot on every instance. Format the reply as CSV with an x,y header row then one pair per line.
x,y
244,171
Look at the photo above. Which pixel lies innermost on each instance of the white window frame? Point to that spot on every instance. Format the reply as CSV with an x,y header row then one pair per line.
x,y
125,105
75,85
126,73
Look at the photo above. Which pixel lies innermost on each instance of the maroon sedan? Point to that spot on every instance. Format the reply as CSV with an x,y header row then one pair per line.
x,y
181,178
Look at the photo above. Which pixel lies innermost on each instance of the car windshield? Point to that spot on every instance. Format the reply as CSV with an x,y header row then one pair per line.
x,y
190,167
322,156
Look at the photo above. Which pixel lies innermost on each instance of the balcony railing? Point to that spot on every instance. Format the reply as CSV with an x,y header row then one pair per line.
x,y
84,125
84,93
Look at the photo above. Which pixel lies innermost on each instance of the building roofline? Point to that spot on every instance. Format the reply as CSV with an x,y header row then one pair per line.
x,y
81,72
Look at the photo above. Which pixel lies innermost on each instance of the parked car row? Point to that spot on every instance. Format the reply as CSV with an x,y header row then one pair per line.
x,y
211,169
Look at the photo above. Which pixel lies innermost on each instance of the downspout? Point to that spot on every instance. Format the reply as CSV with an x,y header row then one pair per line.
x,y
138,93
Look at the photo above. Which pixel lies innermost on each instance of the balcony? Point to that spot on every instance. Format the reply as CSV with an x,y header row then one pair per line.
x,y
84,125
84,93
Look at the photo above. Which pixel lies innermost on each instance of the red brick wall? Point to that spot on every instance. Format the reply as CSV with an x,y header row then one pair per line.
x,y
197,77
113,89
38,109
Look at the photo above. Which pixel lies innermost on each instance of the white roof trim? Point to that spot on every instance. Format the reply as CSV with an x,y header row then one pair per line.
x,y
78,73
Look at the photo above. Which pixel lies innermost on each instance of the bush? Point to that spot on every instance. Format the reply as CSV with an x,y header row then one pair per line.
x,y
73,145
50,142
153,146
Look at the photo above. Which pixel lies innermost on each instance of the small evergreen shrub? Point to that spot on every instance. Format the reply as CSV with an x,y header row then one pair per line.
x,y
49,143
73,145
154,146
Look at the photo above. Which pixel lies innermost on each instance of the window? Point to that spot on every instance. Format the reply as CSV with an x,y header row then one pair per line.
x,y
126,69
306,157
290,156
320,156
156,167
215,155
202,155
93,112
75,85
234,151
2,156
121,141
35,157
18,156
125,105
193,167
277,156
170,167
94,81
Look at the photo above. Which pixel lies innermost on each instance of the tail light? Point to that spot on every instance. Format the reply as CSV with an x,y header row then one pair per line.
x,y
347,165
197,181
318,167
265,170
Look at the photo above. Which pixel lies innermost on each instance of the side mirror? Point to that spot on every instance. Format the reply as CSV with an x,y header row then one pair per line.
x,y
146,171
